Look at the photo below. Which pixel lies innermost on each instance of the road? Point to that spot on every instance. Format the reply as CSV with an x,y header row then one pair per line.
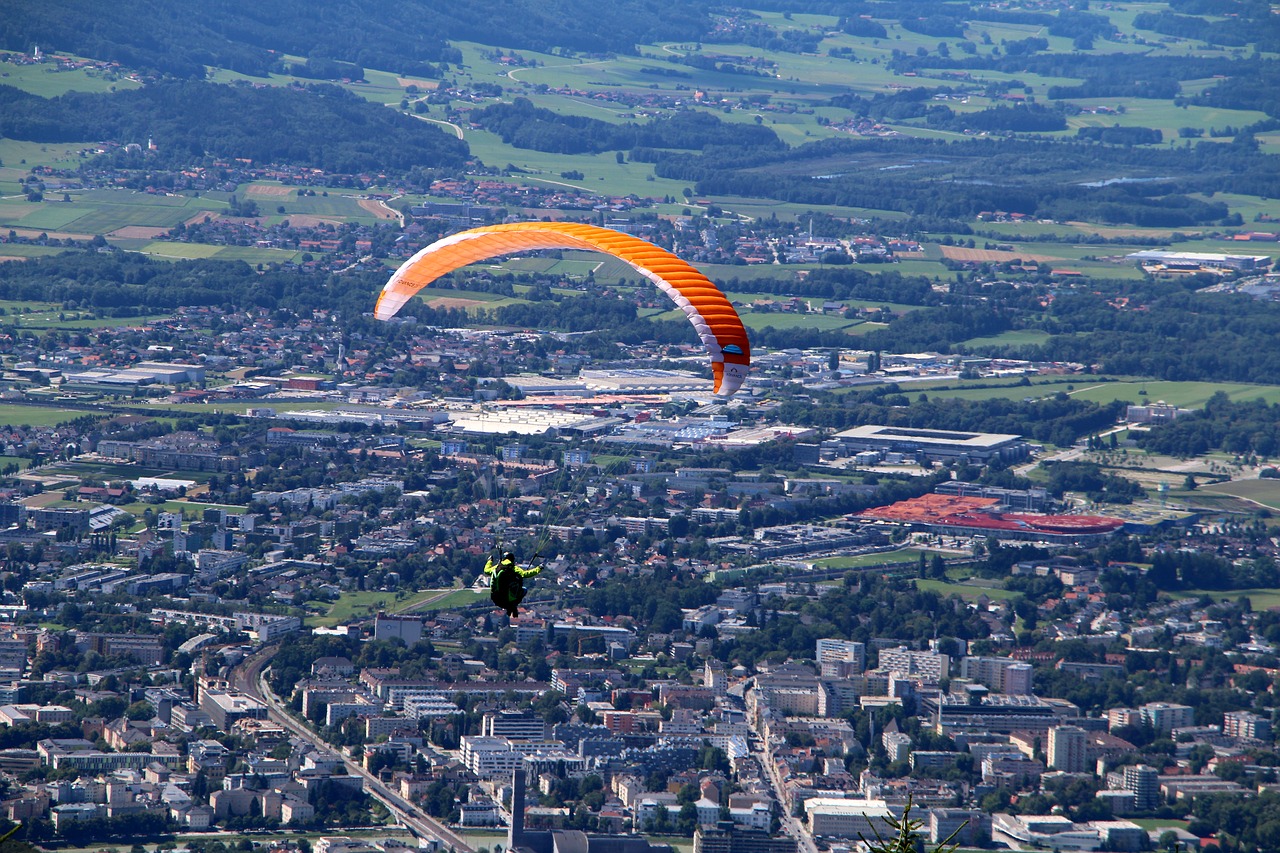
x,y
1069,454
248,678
457,131
791,826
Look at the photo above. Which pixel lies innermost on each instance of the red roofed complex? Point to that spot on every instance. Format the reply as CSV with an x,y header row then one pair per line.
x,y
965,516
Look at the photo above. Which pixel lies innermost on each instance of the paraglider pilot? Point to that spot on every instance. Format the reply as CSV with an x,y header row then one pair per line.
x,y
506,589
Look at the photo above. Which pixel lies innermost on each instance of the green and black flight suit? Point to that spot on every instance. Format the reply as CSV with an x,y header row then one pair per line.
x,y
506,589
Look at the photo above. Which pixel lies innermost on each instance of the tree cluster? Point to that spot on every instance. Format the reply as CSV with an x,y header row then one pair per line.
x,y
523,125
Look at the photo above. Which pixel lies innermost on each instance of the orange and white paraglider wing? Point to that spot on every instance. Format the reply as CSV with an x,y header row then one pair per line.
x,y
711,314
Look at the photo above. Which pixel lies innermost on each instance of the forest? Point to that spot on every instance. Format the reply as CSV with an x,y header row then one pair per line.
x,y
320,125
180,37
523,125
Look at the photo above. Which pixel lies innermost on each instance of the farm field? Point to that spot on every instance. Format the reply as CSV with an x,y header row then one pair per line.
x,y
248,254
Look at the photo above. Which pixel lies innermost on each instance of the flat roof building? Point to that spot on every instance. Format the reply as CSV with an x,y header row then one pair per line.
x,y
834,818
931,443
1196,261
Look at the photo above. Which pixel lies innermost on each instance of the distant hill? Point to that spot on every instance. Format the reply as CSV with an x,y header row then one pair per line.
x,y
181,37
322,126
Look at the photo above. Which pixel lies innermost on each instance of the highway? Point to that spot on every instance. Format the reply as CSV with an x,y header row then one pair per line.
x,y
248,678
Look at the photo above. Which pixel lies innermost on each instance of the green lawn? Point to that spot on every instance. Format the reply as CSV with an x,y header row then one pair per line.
x,y
188,510
964,590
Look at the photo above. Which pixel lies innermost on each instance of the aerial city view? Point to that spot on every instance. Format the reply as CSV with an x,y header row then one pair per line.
x,y
811,426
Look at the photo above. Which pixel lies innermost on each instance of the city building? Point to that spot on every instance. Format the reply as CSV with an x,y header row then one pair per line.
x,y
514,726
1144,782
724,837
1068,746
1002,675
931,665
1246,725
853,819
851,655
935,444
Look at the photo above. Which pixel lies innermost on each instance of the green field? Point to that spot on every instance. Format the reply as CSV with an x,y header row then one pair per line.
x,y
20,157
15,415
964,590
1259,599
1187,394
1184,394
360,605
48,80
601,173
456,598
187,509
903,555
765,320
19,250
1017,338
191,251
239,407
1264,492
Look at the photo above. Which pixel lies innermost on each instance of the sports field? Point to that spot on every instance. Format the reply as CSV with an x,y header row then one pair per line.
x,y
903,555
966,591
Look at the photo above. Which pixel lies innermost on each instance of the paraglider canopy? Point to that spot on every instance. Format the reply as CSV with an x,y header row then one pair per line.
x,y
710,312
